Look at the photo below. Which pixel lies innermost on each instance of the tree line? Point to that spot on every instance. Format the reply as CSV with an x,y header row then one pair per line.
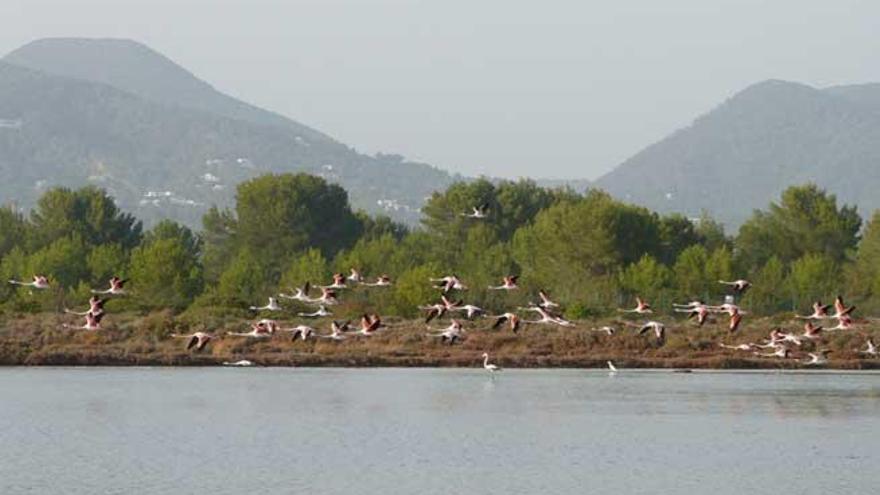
x,y
589,250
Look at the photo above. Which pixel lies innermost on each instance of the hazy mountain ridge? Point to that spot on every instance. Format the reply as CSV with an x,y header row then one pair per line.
x,y
169,150
741,155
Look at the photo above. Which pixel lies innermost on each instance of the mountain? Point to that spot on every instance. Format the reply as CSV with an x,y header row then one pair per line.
x,y
744,153
117,114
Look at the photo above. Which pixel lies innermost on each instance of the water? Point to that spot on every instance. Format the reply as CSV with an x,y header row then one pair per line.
x,y
435,431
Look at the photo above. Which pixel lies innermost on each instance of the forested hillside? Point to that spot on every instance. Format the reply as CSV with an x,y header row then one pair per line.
x,y
164,144
744,153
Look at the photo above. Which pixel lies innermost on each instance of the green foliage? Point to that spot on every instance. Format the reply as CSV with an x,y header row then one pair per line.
x,y
676,234
62,261
105,261
864,276
768,293
218,236
719,266
278,215
166,273
691,279
88,213
373,256
246,281
807,220
572,242
13,230
646,278
813,276
413,289
309,267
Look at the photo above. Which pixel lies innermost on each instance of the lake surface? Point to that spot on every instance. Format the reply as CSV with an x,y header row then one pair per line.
x,y
435,431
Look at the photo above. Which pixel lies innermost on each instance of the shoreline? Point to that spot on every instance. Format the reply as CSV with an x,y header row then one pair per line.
x,y
132,339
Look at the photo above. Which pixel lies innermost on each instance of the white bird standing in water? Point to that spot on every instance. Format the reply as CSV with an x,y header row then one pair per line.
x,y
491,368
611,368
243,363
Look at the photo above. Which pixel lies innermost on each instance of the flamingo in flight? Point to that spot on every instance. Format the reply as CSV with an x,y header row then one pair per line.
x,y
548,318
738,286
117,287
546,302
261,329
93,322
339,282
40,282
453,333
328,297
448,283
817,358
381,281
96,305
777,336
491,368
735,320
271,306
197,340
658,328
507,283
478,212
434,311
641,308
780,352
820,312
843,323
319,313
739,347
299,294
729,308
511,319
608,330
841,309
811,331
337,330
870,348
303,332
369,325
699,311
470,310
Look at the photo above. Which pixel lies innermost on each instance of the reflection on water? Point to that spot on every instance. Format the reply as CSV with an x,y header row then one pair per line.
x,y
228,431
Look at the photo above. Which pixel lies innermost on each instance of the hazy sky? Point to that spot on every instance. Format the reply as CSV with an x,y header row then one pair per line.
x,y
546,88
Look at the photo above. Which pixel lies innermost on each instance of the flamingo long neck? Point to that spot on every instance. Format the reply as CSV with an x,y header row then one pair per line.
x,y
485,361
